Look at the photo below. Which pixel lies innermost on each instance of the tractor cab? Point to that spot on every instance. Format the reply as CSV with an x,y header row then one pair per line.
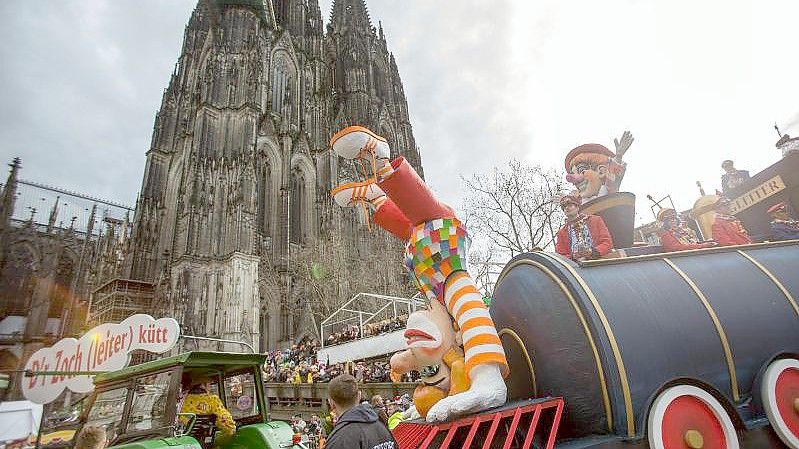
x,y
139,406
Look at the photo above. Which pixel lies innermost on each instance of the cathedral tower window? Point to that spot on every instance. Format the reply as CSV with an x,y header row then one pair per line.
x,y
298,207
282,82
285,322
265,195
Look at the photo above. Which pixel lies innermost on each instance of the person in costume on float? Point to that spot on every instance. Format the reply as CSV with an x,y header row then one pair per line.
x,y
675,235
732,177
583,237
727,229
783,227
435,252
788,145
596,171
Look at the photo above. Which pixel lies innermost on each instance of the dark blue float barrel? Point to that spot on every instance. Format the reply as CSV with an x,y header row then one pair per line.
x,y
609,335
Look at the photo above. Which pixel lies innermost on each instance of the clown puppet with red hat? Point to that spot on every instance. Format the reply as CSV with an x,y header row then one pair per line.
x,y
595,170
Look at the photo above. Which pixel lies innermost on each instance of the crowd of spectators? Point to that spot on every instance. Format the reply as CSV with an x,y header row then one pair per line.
x,y
299,365
352,332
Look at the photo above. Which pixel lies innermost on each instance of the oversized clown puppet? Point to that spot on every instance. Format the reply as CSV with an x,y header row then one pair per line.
x,y
434,349
435,253
596,171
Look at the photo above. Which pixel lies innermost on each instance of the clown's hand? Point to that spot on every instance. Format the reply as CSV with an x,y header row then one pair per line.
x,y
395,376
623,144
411,413
488,390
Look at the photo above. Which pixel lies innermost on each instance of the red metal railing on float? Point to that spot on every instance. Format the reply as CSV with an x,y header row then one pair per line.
x,y
519,424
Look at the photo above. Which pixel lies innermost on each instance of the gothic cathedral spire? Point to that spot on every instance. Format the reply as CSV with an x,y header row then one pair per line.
x,y
238,175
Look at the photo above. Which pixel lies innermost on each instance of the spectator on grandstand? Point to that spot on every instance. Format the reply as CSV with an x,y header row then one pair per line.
x,y
299,364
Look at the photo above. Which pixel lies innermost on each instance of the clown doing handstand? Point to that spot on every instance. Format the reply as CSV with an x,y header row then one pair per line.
x,y
436,254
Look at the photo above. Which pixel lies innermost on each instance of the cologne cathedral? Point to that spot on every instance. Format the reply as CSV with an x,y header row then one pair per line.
x,y
234,232
236,187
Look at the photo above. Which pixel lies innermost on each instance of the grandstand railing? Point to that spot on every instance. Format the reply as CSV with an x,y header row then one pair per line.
x,y
366,308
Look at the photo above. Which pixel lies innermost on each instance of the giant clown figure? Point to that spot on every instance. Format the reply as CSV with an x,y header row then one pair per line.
x,y
596,171
468,378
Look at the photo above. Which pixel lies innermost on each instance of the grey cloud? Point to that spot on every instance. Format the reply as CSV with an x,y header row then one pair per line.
x,y
454,59
81,86
83,81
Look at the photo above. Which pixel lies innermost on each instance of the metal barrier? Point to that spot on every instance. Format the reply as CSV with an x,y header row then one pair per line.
x,y
285,400
521,424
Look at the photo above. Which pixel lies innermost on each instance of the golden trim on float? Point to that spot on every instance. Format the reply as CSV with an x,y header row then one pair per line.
x,y
685,253
518,339
625,385
616,201
583,322
717,323
774,279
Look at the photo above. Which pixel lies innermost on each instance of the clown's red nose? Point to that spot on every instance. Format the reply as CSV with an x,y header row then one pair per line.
x,y
574,178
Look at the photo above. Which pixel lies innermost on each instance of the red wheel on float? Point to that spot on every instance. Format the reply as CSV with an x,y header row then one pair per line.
x,y
780,393
685,416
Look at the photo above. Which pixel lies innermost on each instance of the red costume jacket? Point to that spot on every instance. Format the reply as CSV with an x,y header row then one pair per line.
x,y
728,231
600,236
671,243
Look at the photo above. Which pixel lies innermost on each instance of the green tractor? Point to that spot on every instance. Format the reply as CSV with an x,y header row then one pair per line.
x,y
138,405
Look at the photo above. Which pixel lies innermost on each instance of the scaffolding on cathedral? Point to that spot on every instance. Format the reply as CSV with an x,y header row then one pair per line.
x,y
120,298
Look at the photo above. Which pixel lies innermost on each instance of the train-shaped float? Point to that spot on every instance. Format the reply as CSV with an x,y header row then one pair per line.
x,y
699,347
661,350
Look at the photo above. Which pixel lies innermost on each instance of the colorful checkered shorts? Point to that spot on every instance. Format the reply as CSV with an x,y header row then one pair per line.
x,y
437,248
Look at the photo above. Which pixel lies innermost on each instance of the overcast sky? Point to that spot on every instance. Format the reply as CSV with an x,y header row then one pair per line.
x,y
696,83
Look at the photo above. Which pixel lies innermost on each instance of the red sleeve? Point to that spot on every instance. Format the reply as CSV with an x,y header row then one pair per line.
x,y
600,235
562,245
721,235
670,243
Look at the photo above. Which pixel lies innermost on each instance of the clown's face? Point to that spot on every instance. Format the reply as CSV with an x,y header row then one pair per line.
x,y
429,334
588,173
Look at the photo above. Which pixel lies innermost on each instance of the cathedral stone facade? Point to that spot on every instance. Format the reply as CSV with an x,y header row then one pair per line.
x,y
234,232
234,208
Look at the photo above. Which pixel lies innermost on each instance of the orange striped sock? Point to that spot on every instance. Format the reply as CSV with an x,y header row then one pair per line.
x,y
377,202
481,344
385,170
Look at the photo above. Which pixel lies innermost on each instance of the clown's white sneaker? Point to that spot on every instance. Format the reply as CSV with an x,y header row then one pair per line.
x,y
487,390
357,141
353,193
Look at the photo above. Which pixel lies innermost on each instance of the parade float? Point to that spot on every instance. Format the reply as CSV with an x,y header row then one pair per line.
x,y
137,406
691,349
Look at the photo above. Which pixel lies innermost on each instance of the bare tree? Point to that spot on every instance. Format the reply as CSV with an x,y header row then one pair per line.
x,y
514,208
332,271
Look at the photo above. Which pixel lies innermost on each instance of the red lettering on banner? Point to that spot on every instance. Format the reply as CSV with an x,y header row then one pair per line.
x,y
56,379
34,367
103,348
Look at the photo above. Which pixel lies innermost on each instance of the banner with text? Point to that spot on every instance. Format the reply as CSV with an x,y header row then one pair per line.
x,y
106,347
